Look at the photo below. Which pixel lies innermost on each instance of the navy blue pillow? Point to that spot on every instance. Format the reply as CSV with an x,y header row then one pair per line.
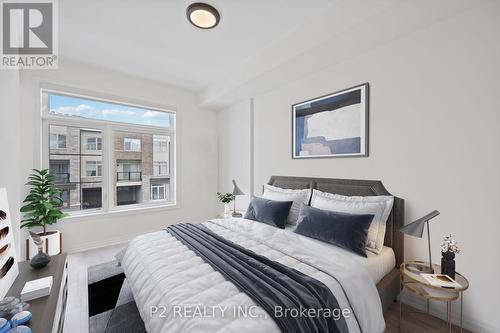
x,y
348,231
269,211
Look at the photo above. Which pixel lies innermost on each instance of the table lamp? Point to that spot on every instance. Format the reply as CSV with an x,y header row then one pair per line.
x,y
236,191
416,229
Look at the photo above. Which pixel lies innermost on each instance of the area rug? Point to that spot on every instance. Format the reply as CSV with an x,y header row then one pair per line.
x,y
111,305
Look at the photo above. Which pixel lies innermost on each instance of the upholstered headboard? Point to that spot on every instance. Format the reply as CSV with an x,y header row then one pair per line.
x,y
352,187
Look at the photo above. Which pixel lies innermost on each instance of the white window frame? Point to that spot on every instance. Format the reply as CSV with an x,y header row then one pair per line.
x,y
131,140
108,130
96,144
96,164
162,143
160,174
58,135
158,186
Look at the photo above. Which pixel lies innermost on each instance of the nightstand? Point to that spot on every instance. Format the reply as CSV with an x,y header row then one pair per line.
x,y
417,285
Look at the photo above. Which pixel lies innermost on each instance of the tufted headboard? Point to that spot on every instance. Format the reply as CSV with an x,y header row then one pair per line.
x,y
353,187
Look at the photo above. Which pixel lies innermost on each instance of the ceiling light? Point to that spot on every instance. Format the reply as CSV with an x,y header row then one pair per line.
x,y
202,15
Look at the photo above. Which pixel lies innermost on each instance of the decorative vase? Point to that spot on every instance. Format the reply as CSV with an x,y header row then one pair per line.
x,y
40,260
448,264
227,209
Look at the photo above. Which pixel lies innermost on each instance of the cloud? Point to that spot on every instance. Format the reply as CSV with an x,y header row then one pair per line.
x,y
153,114
115,112
74,110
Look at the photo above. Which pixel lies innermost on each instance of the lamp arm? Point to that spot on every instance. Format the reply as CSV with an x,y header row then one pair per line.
x,y
429,245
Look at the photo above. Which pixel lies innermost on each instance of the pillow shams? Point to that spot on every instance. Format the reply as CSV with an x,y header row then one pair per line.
x,y
297,196
379,206
268,211
348,231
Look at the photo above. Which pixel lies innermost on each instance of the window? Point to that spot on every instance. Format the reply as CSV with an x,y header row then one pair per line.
x,y
94,143
131,144
93,168
116,156
160,169
160,144
57,141
158,192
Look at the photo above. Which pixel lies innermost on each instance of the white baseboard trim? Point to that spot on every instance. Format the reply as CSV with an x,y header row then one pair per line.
x,y
438,309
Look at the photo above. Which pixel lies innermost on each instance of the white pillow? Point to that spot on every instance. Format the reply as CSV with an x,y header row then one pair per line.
x,y
281,194
379,206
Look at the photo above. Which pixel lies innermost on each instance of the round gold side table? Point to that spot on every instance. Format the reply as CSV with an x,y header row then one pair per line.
x,y
418,285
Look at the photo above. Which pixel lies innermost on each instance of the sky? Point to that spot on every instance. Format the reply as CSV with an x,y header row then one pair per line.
x,y
86,108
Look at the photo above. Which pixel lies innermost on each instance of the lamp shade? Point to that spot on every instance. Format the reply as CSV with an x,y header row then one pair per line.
x,y
236,189
416,228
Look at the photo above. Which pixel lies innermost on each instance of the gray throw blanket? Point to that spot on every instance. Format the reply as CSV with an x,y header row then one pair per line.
x,y
270,284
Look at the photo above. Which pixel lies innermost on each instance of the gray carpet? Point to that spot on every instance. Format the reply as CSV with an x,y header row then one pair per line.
x,y
124,317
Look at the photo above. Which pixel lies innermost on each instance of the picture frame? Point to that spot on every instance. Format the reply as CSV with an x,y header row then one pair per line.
x,y
333,125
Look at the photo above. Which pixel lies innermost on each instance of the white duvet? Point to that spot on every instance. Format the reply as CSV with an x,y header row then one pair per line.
x,y
176,291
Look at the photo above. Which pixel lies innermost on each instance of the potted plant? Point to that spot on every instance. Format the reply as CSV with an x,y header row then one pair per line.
x,y
226,199
41,208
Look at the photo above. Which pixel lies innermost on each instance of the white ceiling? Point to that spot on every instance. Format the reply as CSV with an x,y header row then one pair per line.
x,y
255,42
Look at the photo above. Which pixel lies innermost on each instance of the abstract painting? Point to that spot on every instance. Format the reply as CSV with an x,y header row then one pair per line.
x,y
335,125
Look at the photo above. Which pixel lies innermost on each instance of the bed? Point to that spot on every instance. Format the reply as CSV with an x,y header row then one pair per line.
x,y
171,282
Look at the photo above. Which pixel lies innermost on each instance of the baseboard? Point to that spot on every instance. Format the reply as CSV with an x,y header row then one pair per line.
x,y
438,309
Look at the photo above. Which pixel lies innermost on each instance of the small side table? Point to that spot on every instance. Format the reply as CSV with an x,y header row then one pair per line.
x,y
418,285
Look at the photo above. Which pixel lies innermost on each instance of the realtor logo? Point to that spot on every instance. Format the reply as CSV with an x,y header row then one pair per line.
x,y
29,34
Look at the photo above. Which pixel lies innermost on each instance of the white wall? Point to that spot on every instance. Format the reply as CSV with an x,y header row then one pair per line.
x,y
434,140
9,144
234,142
197,152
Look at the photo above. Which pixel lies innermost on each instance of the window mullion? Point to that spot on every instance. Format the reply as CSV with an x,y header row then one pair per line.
x,y
109,167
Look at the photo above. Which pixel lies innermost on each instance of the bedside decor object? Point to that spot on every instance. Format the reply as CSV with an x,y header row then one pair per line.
x,y
4,325
226,199
42,209
449,248
236,191
416,229
41,259
36,288
335,125
8,258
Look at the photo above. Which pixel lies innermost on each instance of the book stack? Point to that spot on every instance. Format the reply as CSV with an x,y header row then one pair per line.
x,y
36,288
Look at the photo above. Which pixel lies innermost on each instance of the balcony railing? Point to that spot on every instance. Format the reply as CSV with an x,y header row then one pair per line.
x,y
130,176
61,178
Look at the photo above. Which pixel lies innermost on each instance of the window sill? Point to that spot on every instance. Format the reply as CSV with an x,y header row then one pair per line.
x,y
120,212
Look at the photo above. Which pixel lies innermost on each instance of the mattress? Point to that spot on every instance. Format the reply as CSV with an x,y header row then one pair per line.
x,y
377,265
165,274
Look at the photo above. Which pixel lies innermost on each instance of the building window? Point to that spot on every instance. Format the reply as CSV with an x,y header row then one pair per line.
x,y
93,168
93,143
160,169
160,144
130,144
158,192
57,141
94,173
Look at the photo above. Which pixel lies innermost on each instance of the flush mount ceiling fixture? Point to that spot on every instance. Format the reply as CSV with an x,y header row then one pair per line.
x,y
202,15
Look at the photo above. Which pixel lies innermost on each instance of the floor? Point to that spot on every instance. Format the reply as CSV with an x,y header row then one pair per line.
x,y
77,318
77,306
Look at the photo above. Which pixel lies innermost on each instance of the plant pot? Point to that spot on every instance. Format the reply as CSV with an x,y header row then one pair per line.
x,y
227,209
52,244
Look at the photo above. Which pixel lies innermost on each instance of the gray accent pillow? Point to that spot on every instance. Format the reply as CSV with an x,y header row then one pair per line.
x,y
348,231
269,211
